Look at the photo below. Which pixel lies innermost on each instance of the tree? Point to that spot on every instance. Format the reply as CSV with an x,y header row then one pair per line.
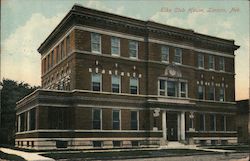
x,y
12,92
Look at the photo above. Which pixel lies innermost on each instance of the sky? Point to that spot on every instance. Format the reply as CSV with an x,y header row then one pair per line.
x,y
25,24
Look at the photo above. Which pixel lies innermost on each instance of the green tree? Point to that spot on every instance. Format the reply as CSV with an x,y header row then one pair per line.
x,y
12,92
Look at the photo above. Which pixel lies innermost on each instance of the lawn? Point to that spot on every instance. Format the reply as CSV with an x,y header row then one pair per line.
x,y
123,154
10,157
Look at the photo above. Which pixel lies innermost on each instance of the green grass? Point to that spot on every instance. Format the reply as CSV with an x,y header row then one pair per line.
x,y
10,157
123,154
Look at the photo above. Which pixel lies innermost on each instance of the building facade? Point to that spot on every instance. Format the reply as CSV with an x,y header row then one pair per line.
x,y
111,81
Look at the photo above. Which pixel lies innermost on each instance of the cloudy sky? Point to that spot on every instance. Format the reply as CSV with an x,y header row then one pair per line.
x,y
26,23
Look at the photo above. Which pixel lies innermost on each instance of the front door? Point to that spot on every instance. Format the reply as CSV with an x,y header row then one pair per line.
x,y
172,133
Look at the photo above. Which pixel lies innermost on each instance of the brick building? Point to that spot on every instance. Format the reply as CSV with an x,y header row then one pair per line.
x,y
113,81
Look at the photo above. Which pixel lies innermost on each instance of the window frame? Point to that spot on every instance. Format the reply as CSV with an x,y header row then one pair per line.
x,y
221,64
186,89
137,91
119,46
115,110
211,59
99,43
209,93
136,49
175,56
137,120
203,125
119,85
100,116
162,47
212,122
203,92
92,81
224,93
201,60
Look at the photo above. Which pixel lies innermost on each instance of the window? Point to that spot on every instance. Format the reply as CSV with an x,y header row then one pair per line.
x,y
178,56
200,61
57,54
97,144
116,143
211,62
95,42
32,121
221,64
62,50
59,118
164,54
191,123
183,89
116,83
115,46
21,122
202,122
201,92
171,88
116,119
162,87
134,120
52,58
133,85
97,118
133,49
223,123
96,82
48,61
211,93
212,122
68,44
222,94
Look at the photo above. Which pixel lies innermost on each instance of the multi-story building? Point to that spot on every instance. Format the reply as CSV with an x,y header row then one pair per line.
x,y
113,81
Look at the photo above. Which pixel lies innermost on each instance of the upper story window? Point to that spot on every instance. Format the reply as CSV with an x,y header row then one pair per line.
x,y
134,120
165,54
211,93
116,84
183,89
95,43
115,46
116,119
97,116
221,64
48,61
211,64
162,87
57,54
133,49
96,82
201,92
62,50
178,56
133,84
222,94
52,58
68,44
200,61
171,87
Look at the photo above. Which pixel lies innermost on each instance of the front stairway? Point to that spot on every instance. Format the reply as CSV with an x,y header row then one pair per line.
x,y
177,145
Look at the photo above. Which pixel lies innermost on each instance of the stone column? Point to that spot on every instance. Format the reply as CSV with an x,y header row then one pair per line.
x,y
182,126
19,123
164,125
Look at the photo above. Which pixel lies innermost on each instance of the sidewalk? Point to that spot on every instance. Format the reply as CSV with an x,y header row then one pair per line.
x,y
26,155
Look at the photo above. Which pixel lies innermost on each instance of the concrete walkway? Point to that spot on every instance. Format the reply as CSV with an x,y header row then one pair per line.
x,y
26,155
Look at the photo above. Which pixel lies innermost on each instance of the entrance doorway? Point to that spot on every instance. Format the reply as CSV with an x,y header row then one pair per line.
x,y
172,126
